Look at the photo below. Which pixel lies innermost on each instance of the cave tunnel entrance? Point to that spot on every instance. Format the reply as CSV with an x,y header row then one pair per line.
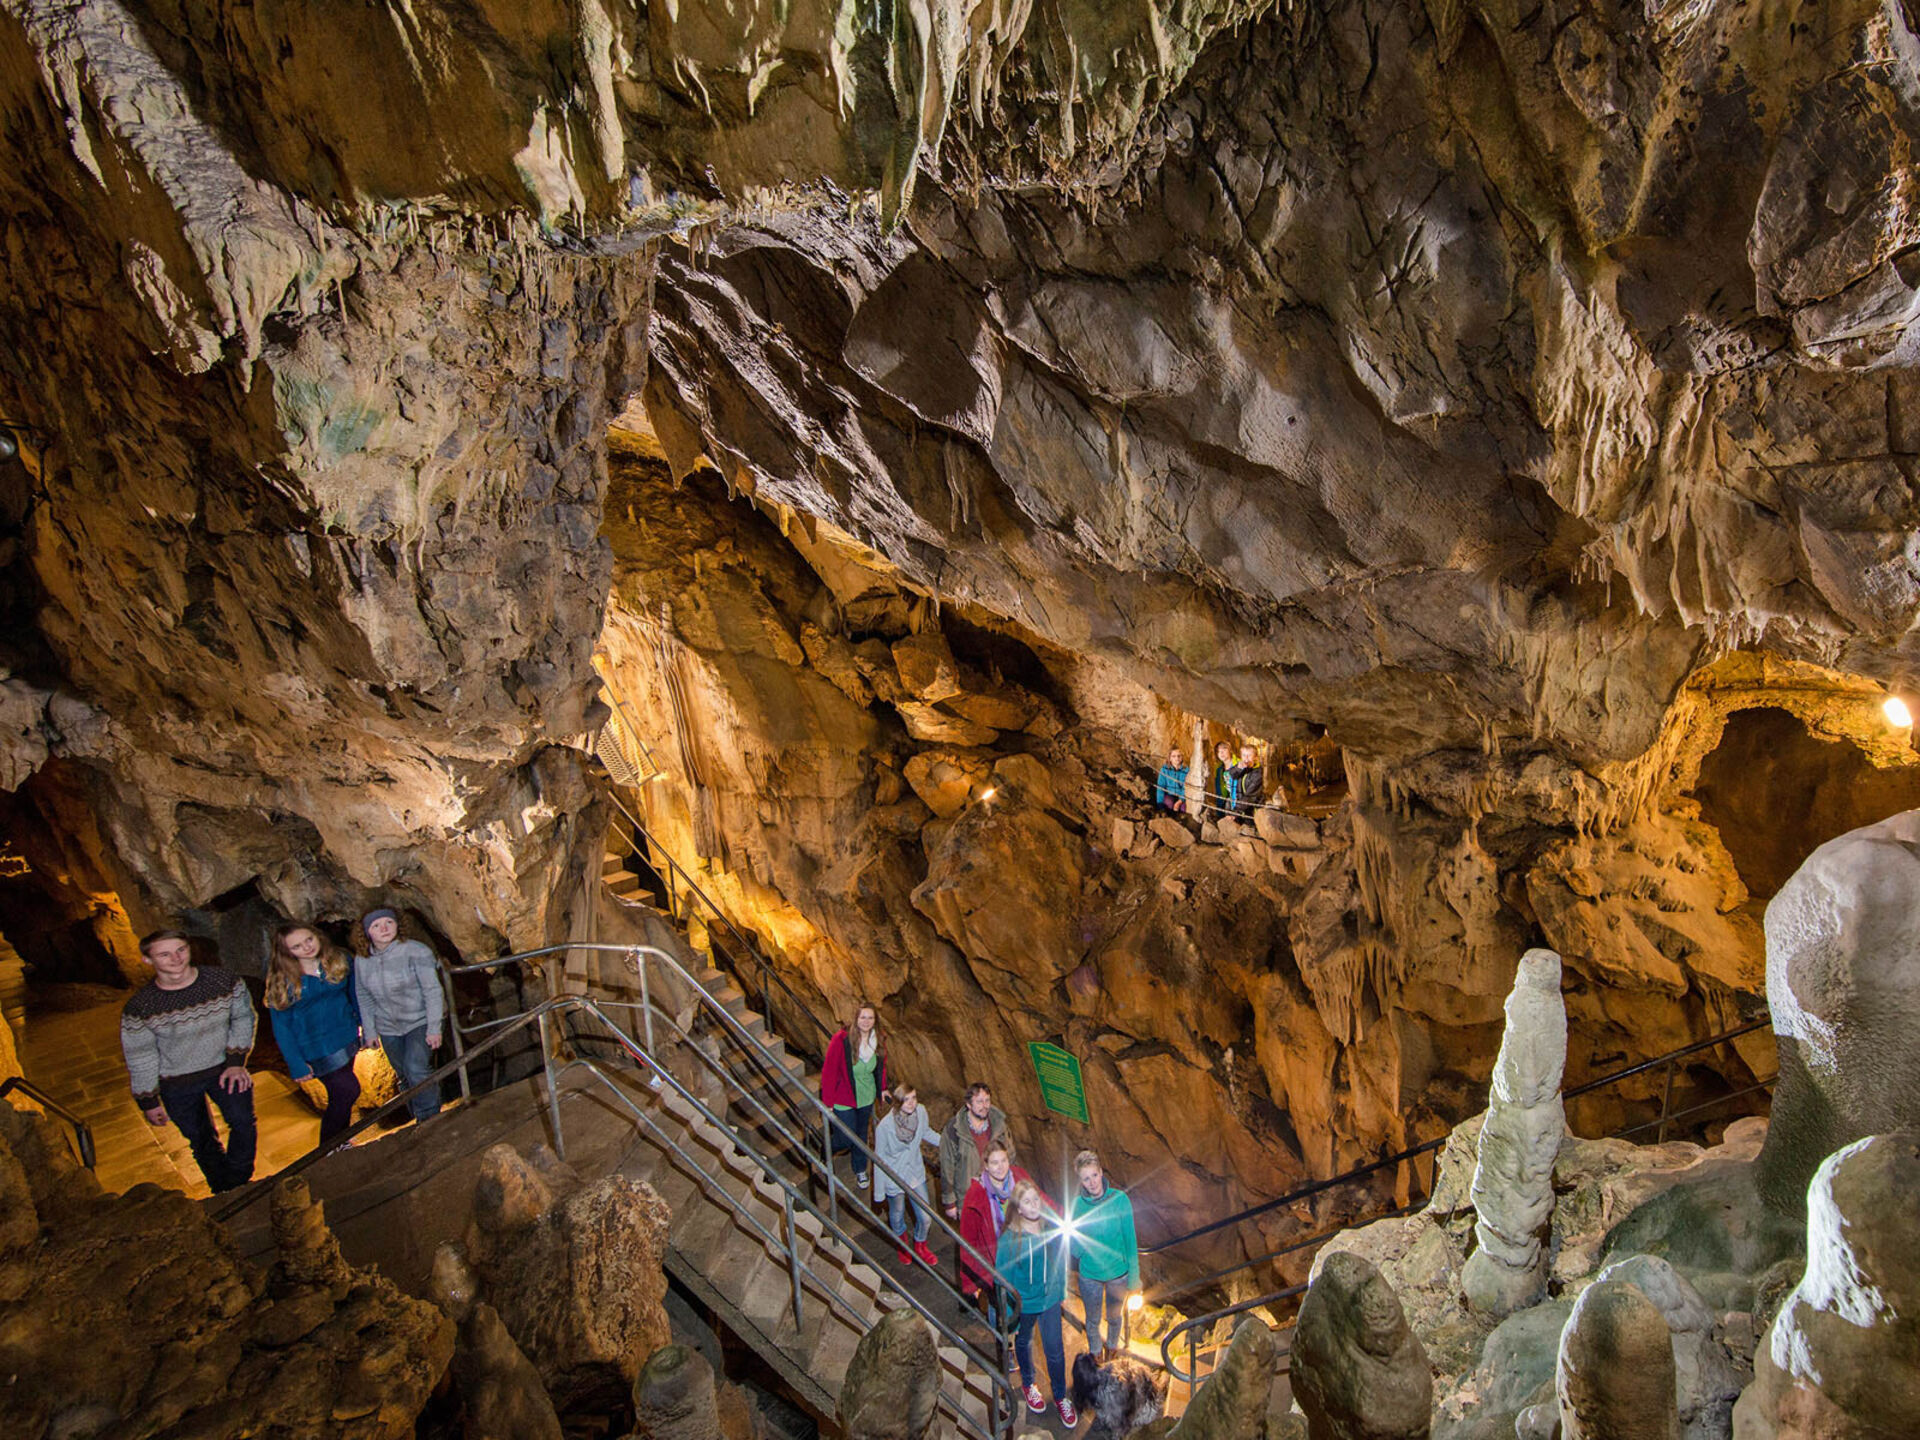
x,y
58,908
1775,792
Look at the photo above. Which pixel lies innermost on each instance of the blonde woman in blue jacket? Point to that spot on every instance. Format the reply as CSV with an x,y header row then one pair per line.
x,y
1032,1258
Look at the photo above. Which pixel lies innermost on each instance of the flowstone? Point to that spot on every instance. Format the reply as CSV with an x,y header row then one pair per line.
x,y
1843,983
1513,1178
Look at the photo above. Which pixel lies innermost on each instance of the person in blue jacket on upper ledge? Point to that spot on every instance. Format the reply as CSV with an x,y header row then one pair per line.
x,y
1170,786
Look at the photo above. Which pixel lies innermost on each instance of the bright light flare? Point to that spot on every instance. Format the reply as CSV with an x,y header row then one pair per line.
x,y
1898,716
990,792
1135,1301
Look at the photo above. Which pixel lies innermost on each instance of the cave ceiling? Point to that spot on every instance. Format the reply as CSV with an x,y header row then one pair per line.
x,y
1466,379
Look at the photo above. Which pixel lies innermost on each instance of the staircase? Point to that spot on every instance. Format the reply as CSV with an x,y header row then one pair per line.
x,y
725,1213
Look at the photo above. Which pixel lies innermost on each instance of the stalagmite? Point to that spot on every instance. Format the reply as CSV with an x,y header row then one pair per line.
x,y
1232,1404
1616,1376
1358,1371
1513,1178
673,1398
1842,1359
893,1381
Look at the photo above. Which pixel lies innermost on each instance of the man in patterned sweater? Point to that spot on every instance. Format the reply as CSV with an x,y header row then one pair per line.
x,y
186,1035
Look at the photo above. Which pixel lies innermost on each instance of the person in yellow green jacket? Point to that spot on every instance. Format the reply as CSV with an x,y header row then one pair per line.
x,y
1100,1222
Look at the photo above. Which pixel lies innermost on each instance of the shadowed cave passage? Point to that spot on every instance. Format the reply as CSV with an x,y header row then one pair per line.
x,y
1775,793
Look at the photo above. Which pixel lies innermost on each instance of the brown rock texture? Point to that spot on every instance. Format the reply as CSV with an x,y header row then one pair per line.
x,y
131,1313
573,1270
1496,403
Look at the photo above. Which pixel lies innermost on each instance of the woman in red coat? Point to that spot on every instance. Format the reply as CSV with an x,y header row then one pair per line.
x,y
852,1076
984,1213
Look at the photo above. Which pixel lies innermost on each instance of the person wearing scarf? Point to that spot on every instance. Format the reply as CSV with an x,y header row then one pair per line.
x,y
983,1215
898,1143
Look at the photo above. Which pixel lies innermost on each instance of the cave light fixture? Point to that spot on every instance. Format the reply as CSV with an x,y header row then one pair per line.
x,y
1897,713
986,795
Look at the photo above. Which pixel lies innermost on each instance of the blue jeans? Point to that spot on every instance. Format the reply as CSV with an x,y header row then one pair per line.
x,y
1049,1322
186,1105
1114,1294
850,1133
413,1062
922,1214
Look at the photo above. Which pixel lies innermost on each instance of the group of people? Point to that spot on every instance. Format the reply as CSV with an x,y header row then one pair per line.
x,y
1004,1216
1229,789
187,1033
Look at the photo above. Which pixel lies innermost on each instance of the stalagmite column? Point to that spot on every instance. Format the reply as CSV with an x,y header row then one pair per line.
x,y
673,1398
1615,1377
1359,1371
1197,770
1513,1177
893,1381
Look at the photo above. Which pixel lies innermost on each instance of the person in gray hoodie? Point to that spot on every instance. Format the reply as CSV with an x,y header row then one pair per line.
x,y
397,986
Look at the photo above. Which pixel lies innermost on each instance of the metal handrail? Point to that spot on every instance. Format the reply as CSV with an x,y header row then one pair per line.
x,y
82,1132
1189,1327
764,966
1307,1191
626,720
537,1018
1667,1116
804,1095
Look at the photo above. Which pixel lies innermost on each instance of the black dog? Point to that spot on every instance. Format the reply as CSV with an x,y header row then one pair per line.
x,y
1121,1395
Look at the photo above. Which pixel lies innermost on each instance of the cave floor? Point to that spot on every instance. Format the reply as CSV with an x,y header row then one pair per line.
x,y
72,1051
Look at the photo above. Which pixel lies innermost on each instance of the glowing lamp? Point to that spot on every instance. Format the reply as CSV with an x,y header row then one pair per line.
x,y
1135,1301
990,792
1895,709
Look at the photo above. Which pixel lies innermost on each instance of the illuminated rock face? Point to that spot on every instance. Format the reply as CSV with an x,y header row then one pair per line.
x,y
1843,981
1461,384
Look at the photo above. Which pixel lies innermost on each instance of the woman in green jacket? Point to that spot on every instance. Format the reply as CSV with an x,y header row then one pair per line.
x,y
1032,1258
1100,1222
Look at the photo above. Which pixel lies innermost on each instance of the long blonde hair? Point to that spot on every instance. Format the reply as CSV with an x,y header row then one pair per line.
x,y
283,976
1018,1221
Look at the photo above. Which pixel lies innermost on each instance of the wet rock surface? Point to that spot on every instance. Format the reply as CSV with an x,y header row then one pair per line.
x,y
1358,1371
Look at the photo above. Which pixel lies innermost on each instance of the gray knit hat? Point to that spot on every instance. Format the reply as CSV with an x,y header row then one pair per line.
x,y
381,914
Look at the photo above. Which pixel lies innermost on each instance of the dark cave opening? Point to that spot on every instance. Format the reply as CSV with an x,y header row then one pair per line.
x,y
1775,792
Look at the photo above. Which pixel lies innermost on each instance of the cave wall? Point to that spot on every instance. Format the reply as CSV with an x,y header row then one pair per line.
x,y
1508,395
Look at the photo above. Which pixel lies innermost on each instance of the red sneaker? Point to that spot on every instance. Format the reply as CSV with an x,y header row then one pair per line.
x,y
927,1257
1034,1402
906,1257
1068,1417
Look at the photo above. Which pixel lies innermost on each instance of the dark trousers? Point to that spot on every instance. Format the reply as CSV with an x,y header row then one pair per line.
x,y
850,1133
1110,1295
413,1062
186,1106
1050,1343
343,1088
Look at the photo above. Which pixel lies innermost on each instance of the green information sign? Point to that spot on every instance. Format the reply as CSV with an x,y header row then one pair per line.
x,y
1060,1084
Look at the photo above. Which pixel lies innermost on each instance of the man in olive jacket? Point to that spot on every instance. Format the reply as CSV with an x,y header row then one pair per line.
x,y
975,1127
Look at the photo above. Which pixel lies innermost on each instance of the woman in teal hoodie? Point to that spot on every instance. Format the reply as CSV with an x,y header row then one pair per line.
x,y
1100,1222
1032,1258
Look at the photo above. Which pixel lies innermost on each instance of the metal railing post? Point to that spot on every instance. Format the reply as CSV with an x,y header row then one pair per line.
x,y
1666,1103
793,1260
553,1089
459,1040
833,1184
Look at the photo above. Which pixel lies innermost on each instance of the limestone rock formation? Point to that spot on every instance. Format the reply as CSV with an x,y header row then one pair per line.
x,y
892,1384
1616,1377
1706,1379
1232,1404
500,1390
1843,981
131,1313
1519,1140
674,1397
1841,1360
573,1269
1359,1372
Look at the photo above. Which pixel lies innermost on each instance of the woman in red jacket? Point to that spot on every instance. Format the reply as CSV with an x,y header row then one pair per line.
x,y
983,1215
852,1076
